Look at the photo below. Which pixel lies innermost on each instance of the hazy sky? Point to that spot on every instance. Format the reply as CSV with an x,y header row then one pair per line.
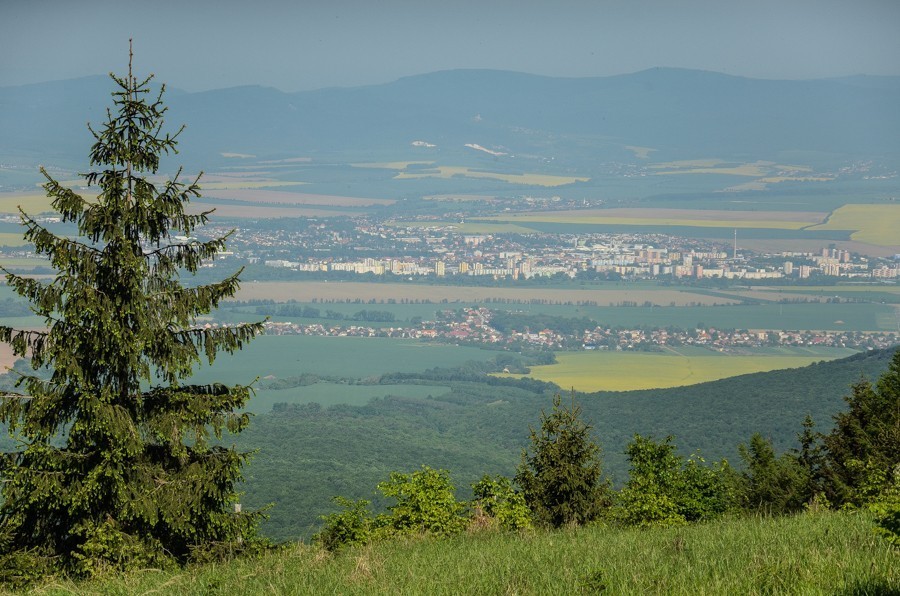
x,y
308,44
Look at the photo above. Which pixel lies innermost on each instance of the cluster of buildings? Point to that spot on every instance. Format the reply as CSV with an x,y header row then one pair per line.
x,y
473,326
441,252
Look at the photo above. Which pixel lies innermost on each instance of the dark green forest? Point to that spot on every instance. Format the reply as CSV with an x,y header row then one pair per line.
x,y
308,454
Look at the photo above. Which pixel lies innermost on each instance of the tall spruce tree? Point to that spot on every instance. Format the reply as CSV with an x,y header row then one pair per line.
x,y
561,478
117,465
863,450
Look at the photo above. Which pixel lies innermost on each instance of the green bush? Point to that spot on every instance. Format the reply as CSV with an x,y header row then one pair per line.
x,y
495,497
426,504
352,525
664,490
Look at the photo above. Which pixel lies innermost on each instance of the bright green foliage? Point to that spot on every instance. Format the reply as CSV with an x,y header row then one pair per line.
x,y
664,490
560,479
886,507
426,504
497,499
864,446
771,484
116,468
651,495
352,525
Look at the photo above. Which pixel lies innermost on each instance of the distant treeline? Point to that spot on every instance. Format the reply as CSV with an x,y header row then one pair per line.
x,y
310,312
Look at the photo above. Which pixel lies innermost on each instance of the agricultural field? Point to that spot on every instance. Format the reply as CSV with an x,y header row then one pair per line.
x,y
600,370
31,202
871,224
698,218
545,180
391,165
22,263
755,169
353,291
12,239
286,356
283,198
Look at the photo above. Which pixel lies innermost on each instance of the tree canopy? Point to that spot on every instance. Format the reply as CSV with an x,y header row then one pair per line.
x,y
561,477
118,466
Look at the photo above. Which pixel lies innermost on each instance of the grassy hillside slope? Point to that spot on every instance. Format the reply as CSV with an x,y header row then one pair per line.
x,y
812,553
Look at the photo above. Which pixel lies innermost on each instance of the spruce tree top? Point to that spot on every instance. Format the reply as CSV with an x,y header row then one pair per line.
x,y
115,467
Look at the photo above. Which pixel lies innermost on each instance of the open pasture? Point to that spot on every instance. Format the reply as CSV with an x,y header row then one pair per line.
x,y
781,220
872,224
526,179
599,370
351,291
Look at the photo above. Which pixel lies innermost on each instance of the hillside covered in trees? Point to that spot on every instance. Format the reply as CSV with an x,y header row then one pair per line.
x,y
308,454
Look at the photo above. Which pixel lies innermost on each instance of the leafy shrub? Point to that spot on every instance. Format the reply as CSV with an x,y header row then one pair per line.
x,y
426,504
352,525
664,490
497,499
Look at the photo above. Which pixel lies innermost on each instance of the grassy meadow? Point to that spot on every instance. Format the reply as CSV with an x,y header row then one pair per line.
x,y
809,554
601,370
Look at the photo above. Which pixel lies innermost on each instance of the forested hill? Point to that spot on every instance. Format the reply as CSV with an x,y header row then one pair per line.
x,y
714,417
309,454
681,113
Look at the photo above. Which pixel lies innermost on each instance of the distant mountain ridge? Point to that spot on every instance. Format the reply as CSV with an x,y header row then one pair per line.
x,y
681,113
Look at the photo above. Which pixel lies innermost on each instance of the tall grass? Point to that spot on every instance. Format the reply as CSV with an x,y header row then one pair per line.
x,y
813,553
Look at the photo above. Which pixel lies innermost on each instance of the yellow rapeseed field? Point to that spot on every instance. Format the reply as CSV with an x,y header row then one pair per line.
x,y
626,371
874,224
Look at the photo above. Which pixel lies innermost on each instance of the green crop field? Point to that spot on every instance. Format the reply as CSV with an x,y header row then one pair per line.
x,y
625,371
283,356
